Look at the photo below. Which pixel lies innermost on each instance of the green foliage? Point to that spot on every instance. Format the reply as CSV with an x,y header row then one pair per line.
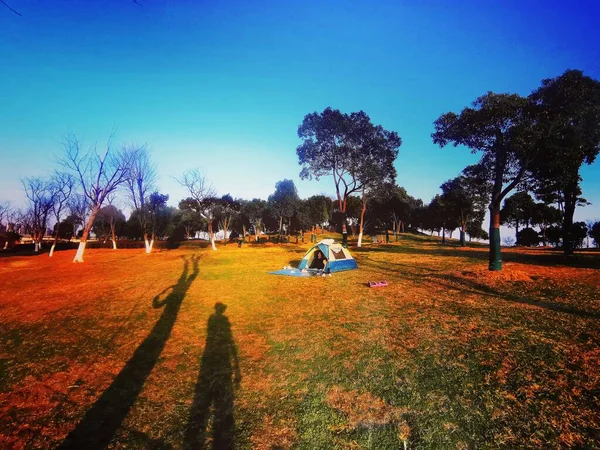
x,y
528,237
568,134
358,154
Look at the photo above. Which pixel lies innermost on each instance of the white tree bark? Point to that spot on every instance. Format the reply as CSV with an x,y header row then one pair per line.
x,y
6,245
36,247
51,250
212,241
80,250
360,236
114,244
150,246
147,245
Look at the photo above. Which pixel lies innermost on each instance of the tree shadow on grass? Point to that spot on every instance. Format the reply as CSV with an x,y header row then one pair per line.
x,y
103,419
218,371
535,256
420,274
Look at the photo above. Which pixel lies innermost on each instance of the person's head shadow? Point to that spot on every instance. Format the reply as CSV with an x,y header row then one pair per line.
x,y
219,370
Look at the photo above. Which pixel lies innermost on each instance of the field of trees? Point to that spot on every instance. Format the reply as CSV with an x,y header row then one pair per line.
x,y
190,347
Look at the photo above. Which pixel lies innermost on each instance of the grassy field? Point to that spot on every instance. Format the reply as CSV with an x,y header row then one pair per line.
x,y
191,348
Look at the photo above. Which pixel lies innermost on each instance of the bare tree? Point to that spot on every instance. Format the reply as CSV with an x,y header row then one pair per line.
x,y
203,193
40,195
62,185
99,175
141,182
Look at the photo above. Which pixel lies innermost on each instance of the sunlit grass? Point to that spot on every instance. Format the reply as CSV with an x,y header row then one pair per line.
x,y
447,355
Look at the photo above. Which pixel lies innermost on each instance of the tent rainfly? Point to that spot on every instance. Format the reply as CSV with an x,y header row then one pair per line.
x,y
338,258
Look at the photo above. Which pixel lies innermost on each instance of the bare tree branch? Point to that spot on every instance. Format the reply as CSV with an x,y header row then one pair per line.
x,y
13,10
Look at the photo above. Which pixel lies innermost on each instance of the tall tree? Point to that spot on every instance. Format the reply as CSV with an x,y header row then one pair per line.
x,y
99,174
254,210
544,216
518,210
498,126
350,149
569,133
141,182
109,222
284,202
63,185
465,196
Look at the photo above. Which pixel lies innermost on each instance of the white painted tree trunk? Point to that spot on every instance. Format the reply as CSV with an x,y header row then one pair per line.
x,y
36,247
51,250
6,245
114,244
151,246
147,245
360,235
80,250
212,242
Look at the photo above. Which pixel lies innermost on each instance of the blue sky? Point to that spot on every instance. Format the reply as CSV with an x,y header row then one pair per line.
x,y
224,85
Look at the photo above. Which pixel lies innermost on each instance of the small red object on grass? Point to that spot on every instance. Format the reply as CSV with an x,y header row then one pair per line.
x,y
378,283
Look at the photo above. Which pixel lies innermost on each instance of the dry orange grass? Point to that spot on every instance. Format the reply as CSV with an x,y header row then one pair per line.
x,y
448,354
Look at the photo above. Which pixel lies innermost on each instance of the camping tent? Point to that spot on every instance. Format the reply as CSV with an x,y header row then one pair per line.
x,y
338,258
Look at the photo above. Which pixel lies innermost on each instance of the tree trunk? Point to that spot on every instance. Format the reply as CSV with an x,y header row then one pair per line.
x,y
54,243
36,246
112,233
443,234
362,220
495,262
280,228
212,237
244,234
567,228
85,234
80,251
463,229
146,243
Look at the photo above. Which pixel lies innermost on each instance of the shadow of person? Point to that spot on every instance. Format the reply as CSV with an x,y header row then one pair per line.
x,y
219,369
101,421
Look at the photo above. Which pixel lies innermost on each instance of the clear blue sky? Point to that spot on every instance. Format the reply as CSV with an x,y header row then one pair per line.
x,y
223,85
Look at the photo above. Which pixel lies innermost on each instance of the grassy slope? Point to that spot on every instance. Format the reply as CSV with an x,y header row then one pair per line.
x,y
447,356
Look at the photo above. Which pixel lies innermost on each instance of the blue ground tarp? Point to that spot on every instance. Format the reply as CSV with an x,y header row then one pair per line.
x,y
296,273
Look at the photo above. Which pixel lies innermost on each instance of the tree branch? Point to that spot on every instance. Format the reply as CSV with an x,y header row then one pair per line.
x,y
9,7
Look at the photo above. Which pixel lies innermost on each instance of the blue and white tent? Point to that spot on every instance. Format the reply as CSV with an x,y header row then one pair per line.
x,y
338,258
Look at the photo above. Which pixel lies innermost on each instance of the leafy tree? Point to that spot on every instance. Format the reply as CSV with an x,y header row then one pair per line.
x,y
225,210
284,201
498,126
568,129
579,232
528,237
356,153
464,197
543,216
254,210
319,210
518,210
190,218
594,233
109,221
554,235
